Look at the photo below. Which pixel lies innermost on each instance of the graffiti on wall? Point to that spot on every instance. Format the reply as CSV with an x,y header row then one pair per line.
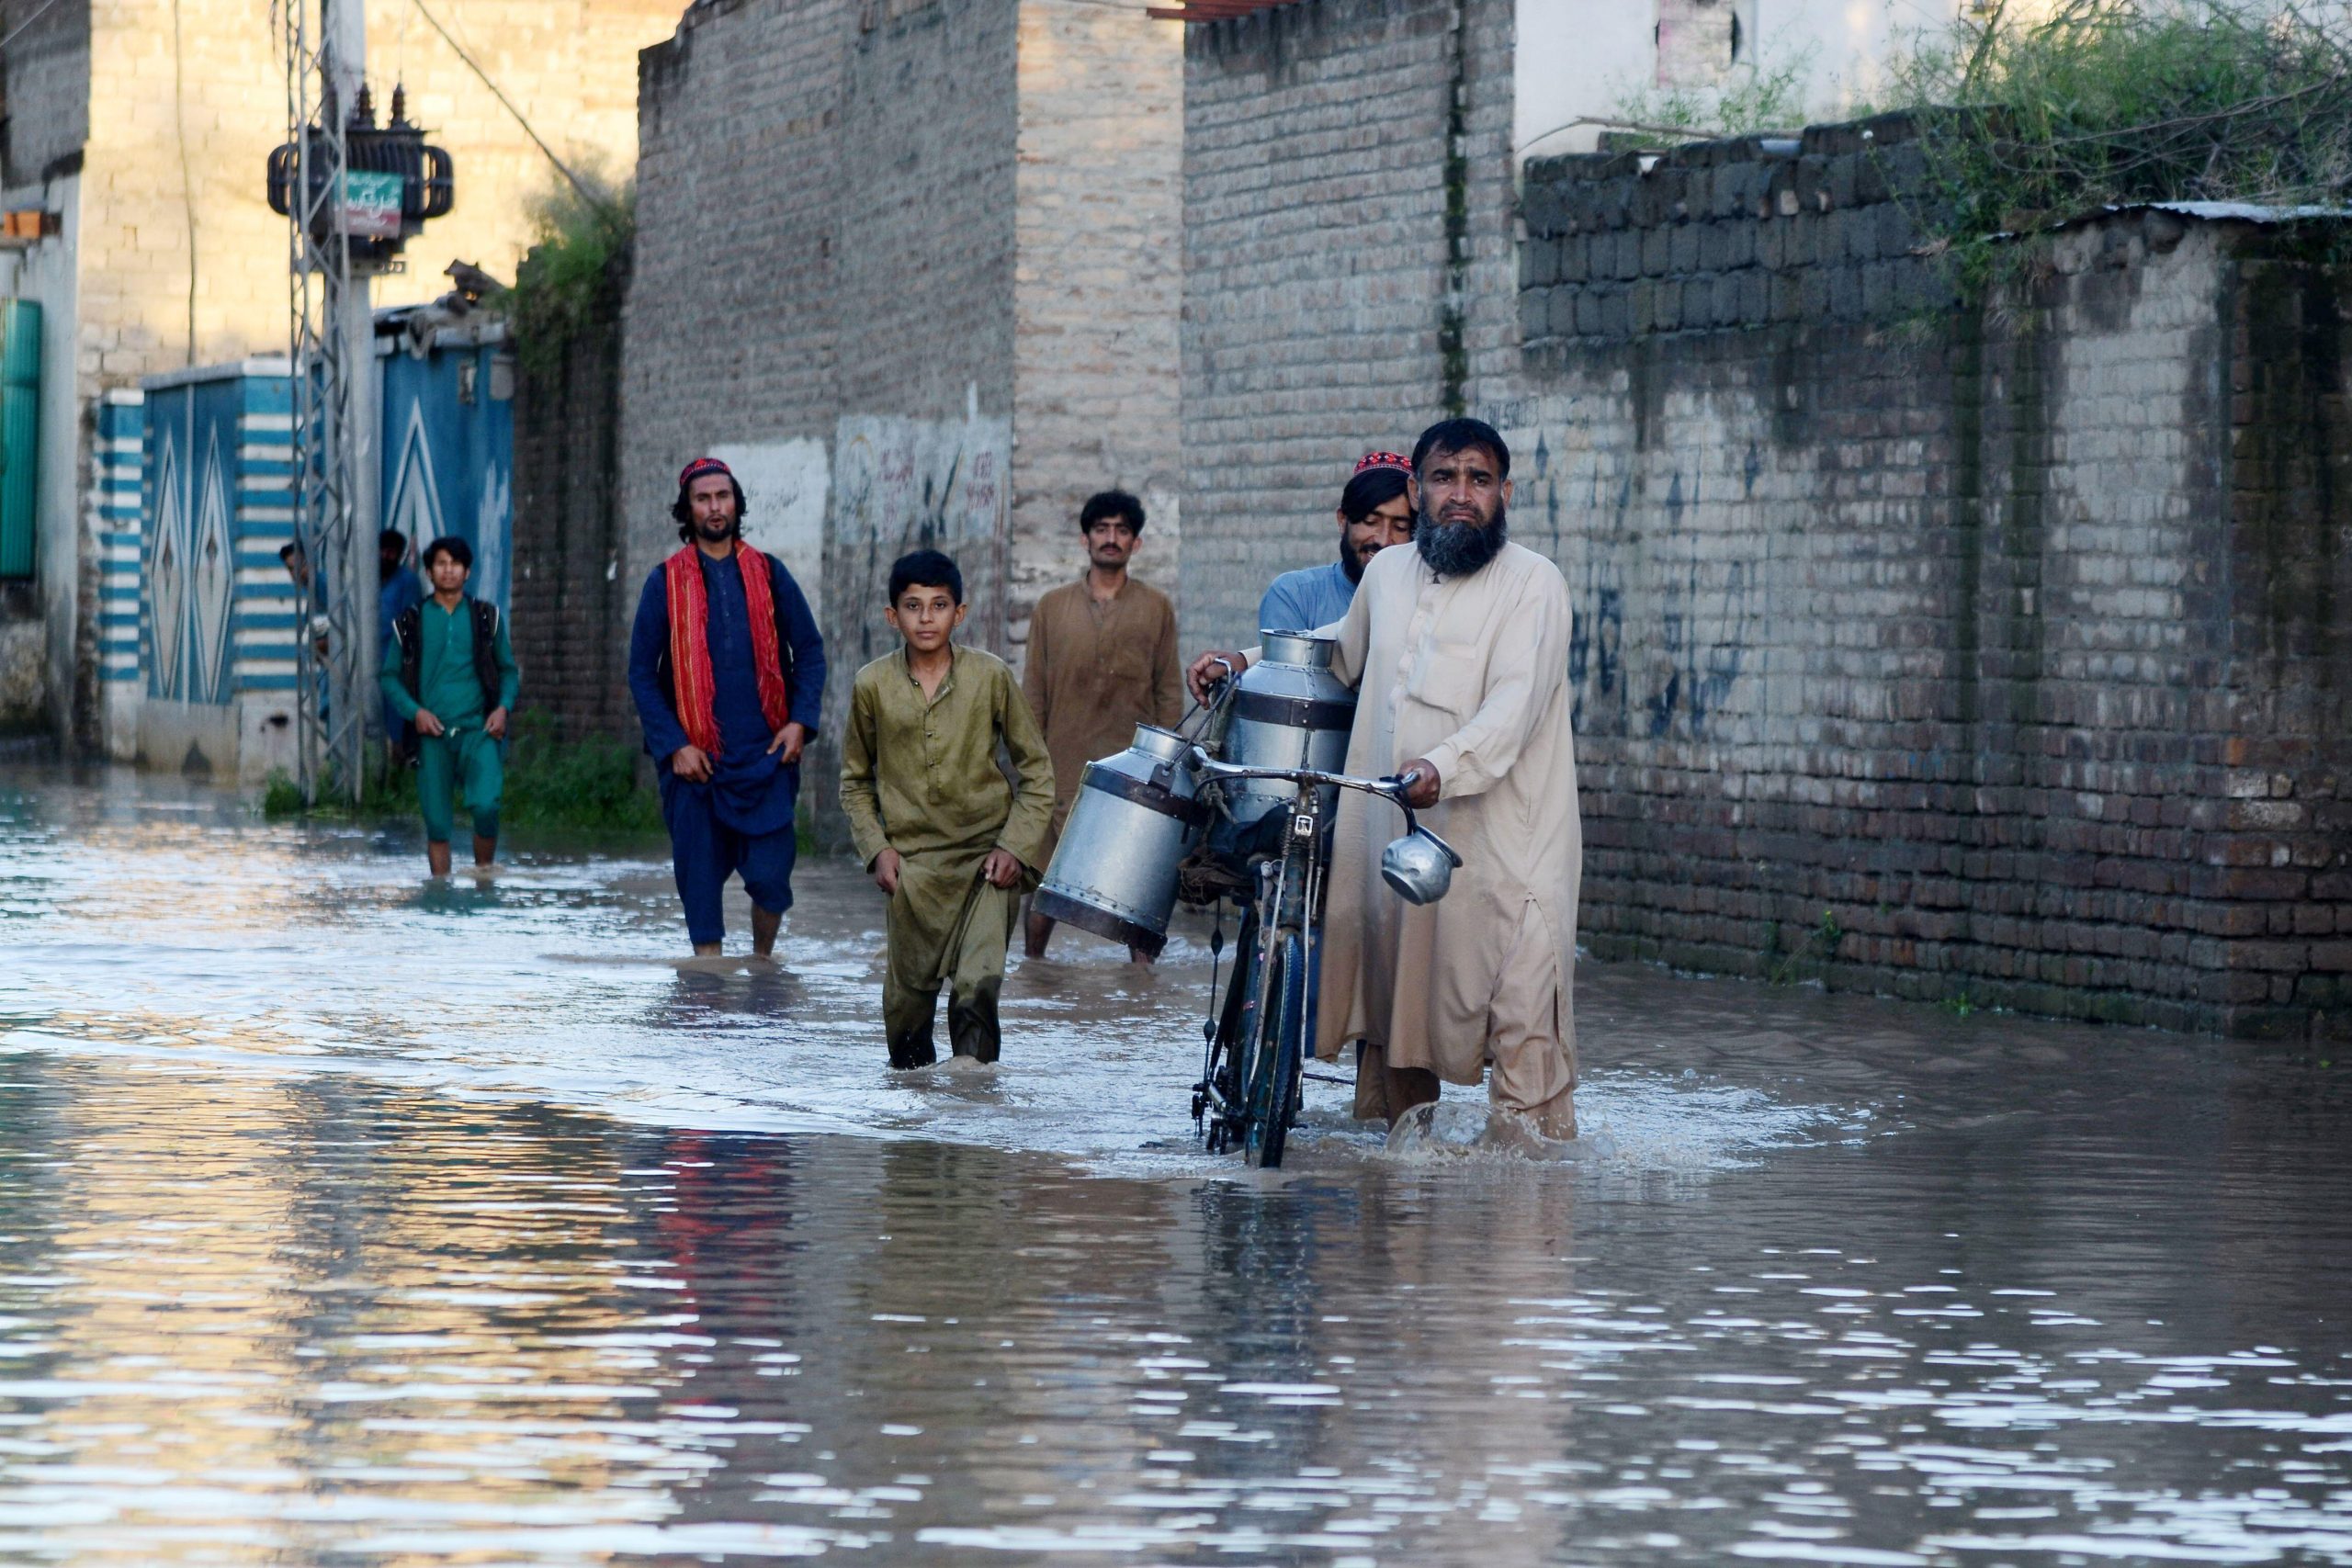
x,y
909,484
785,484
1668,621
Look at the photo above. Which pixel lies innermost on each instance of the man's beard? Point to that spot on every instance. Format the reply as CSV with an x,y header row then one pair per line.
x,y
1352,560
1457,549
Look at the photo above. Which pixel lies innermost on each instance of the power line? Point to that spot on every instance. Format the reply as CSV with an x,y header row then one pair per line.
x,y
590,197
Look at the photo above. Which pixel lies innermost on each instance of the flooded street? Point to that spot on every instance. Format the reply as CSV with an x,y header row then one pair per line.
x,y
349,1219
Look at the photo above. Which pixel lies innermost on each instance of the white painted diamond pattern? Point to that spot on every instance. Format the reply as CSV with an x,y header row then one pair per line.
x,y
212,576
167,581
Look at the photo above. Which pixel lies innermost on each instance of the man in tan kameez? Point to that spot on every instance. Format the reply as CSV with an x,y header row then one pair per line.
x,y
1103,658
1458,649
934,817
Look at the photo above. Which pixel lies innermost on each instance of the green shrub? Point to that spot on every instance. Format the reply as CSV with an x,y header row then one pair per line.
x,y
1751,101
582,785
2025,123
572,274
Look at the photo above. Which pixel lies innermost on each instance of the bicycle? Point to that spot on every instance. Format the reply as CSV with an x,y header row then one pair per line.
x,y
1248,1096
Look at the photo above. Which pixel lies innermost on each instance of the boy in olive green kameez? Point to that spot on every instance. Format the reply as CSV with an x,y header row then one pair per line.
x,y
449,670
934,819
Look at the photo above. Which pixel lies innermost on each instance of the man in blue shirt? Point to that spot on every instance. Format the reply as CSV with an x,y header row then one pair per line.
x,y
1373,515
728,668
398,592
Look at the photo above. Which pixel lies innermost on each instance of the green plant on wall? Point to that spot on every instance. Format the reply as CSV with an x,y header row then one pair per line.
x,y
1751,101
572,271
2026,120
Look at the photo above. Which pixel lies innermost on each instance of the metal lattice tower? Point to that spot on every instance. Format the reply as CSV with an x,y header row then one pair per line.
x,y
331,513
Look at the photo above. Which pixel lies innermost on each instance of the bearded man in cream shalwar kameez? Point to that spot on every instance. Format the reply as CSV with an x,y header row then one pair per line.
x,y
1458,649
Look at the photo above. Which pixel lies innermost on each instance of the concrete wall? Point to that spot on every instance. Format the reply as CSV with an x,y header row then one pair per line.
x,y
1331,304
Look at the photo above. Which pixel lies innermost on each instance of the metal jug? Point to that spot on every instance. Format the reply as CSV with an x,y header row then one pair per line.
x,y
1419,867
1289,712
1138,815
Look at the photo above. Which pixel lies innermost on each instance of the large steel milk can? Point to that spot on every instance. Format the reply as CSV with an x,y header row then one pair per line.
x,y
1289,712
1137,816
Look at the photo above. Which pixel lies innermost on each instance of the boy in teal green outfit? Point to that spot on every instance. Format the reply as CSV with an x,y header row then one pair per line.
x,y
449,670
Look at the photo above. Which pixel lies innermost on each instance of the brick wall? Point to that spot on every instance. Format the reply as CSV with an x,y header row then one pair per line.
x,y
44,78
1330,305
1993,655
876,237
823,266
1097,217
569,600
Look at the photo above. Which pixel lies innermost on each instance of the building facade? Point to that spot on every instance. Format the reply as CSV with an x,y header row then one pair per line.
x,y
135,137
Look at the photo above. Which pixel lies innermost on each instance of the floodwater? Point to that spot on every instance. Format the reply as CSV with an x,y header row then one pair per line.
x,y
346,1219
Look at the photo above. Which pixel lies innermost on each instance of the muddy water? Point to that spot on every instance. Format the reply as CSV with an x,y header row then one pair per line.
x,y
349,1220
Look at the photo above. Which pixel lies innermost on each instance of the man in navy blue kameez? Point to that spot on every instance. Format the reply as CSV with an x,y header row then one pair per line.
x,y
727,670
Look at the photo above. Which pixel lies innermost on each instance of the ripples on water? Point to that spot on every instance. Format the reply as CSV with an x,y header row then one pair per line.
x,y
347,1220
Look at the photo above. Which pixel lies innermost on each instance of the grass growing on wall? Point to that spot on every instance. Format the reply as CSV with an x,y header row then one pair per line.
x,y
2028,120
580,253
1752,100
580,786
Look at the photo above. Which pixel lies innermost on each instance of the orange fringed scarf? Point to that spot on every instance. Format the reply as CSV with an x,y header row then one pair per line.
x,y
696,691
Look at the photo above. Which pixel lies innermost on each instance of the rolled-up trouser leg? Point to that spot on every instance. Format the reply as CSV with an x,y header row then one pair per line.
x,y
700,854
767,861
1531,1032
1384,1093
436,769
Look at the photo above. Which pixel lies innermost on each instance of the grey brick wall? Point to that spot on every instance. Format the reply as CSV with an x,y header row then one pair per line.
x,y
1099,214
571,602
920,253
731,320
1993,655
1326,308
45,85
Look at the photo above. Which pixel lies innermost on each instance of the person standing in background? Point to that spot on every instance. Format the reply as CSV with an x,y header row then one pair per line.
x,y
449,670
1375,513
1103,658
398,593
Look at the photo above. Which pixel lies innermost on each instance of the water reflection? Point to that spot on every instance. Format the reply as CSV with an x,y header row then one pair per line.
x,y
455,1246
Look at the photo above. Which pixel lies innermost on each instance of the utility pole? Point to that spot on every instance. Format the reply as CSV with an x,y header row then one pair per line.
x,y
344,23
354,193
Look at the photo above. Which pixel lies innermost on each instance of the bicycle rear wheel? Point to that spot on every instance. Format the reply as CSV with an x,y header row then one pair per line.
x,y
1281,1052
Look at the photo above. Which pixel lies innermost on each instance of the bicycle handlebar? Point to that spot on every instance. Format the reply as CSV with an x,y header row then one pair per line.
x,y
1391,789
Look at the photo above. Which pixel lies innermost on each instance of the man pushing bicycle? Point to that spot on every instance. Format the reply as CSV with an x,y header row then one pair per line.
x,y
1459,652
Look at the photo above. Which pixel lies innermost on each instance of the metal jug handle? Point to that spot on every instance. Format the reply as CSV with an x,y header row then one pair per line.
x,y
1451,852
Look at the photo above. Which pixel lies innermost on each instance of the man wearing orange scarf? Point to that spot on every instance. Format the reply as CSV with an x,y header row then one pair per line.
x,y
727,670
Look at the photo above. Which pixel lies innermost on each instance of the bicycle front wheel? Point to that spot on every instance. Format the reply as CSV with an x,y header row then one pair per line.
x,y
1274,1085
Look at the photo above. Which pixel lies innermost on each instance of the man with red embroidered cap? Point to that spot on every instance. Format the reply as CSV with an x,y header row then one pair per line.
x,y
1375,513
728,668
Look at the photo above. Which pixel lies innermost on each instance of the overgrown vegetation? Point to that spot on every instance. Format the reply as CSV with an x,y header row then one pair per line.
x,y
2026,121
580,786
573,271
1751,101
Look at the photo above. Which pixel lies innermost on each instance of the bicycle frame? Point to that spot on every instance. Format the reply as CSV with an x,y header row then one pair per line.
x,y
1252,1103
